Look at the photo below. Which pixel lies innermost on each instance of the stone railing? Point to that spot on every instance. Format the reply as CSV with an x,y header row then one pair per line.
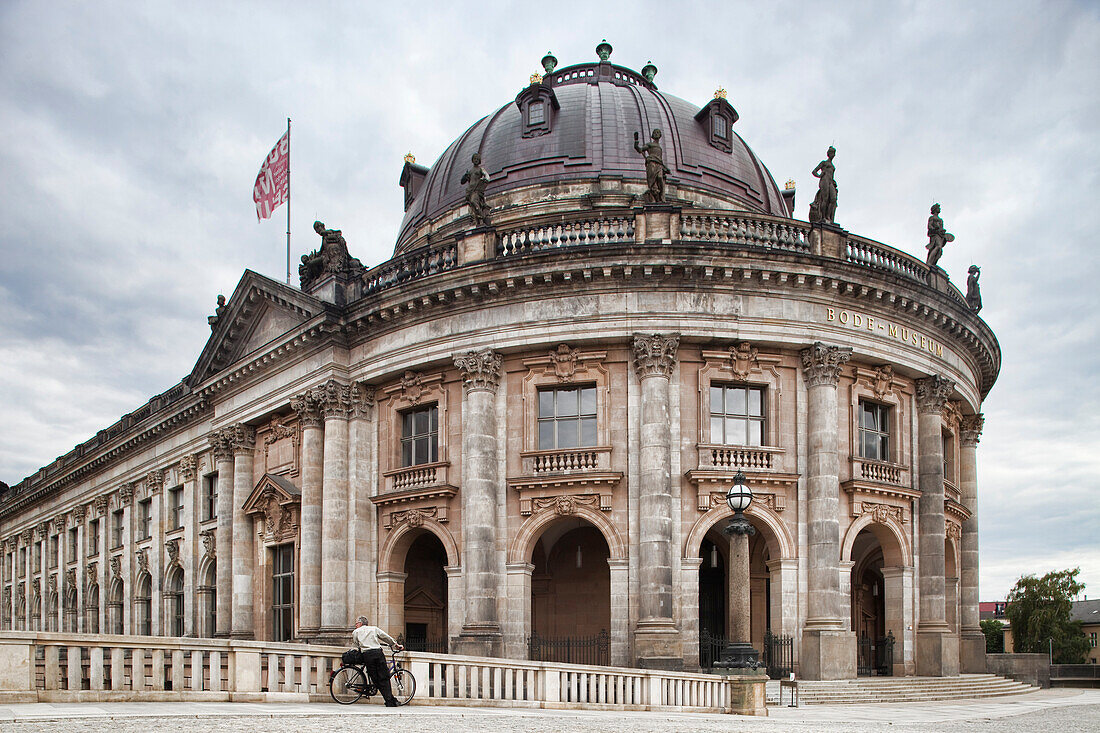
x,y
416,477
574,233
879,471
876,256
91,667
565,460
752,231
731,456
411,266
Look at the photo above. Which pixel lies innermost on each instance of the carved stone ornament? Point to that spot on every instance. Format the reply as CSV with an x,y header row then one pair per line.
x,y
70,580
970,429
26,536
480,370
154,481
743,360
275,515
58,523
41,531
242,438
173,548
79,512
655,355
209,542
278,430
413,517
21,596
952,530
882,513
932,394
308,408
362,399
116,566
51,584
188,468
565,505
412,386
91,574
219,442
564,361
335,399
142,556
883,381
126,494
100,506
821,363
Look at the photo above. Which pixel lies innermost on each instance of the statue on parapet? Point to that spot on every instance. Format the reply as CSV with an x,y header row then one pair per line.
x,y
656,171
476,179
332,257
823,208
218,310
973,291
938,237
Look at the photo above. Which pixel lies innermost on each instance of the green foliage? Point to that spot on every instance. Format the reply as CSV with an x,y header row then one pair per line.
x,y
1039,609
994,632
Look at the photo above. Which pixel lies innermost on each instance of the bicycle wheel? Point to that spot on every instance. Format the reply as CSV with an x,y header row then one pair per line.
x,y
404,685
347,685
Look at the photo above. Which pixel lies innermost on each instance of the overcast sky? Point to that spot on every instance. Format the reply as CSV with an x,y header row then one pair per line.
x,y
132,133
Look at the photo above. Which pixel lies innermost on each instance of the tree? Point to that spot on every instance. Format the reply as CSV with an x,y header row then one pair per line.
x,y
994,632
1038,610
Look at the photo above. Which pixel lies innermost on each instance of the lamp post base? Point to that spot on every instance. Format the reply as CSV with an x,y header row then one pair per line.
x,y
738,655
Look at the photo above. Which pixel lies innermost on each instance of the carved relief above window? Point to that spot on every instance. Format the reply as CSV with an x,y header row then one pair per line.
x,y
278,501
415,506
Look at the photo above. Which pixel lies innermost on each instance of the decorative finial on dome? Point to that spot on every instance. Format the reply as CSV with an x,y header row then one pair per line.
x,y
789,185
604,50
649,71
536,78
719,93
549,62
410,158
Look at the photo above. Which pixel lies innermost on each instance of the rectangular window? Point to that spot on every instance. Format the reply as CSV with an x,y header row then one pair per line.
x,y
175,507
22,561
282,593
55,541
209,496
567,418
93,538
1092,639
536,113
74,539
874,431
145,519
37,556
948,457
720,128
420,436
737,415
116,528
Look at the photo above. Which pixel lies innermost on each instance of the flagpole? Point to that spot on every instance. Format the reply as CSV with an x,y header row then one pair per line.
x,y
288,201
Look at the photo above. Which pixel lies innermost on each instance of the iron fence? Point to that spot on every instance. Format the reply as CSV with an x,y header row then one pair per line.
x,y
424,644
875,656
571,649
778,655
710,648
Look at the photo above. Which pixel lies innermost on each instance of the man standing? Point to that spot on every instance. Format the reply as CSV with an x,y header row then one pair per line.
x,y
369,639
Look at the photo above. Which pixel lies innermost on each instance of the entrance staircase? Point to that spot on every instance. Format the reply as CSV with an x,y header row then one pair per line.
x,y
865,690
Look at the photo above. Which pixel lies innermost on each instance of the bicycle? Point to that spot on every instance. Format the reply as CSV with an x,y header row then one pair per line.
x,y
351,682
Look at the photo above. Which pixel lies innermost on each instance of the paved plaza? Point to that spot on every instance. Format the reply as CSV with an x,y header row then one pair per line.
x,y
1064,711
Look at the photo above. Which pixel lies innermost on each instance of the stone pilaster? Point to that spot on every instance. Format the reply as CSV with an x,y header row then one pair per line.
x,y
242,439
657,642
972,641
481,372
308,408
336,407
828,651
188,476
937,646
223,570
363,525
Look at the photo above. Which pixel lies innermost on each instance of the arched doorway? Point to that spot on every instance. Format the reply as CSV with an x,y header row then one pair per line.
x,y
571,594
877,596
715,617
426,594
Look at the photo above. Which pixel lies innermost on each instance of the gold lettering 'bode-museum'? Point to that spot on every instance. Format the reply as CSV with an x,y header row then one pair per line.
x,y
870,323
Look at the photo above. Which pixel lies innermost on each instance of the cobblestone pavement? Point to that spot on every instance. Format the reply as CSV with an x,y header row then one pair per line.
x,y
1064,711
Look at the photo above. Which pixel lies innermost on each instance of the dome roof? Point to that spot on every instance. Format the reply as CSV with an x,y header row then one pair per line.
x,y
584,129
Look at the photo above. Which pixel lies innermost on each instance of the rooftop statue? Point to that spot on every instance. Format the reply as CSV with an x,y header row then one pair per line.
x,y
823,208
973,291
937,236
655,168
213,320
476,179
331,258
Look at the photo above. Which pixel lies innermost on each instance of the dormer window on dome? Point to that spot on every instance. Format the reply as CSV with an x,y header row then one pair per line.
x,y
718,116
537,104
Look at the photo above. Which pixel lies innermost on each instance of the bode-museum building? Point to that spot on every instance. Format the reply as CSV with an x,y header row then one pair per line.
x,y
600,308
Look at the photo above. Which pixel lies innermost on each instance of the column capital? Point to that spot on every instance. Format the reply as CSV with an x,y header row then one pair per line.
x,y
188,467
219,442
480,370
241,437
932,394
126,494
821,363
154,480
970,429
334,399
79,512
59,523
308,408
101,504
655,354
362,399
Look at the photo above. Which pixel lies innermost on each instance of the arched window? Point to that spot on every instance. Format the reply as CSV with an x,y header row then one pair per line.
x,y
114,608
207,594
91,609
51,611
174,606
70,610
143,606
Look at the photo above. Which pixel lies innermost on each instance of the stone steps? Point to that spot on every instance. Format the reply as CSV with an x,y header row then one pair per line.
x,y
867,690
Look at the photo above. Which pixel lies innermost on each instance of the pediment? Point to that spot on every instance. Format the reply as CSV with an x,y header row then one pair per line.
x,y
272,487
261,310
421,598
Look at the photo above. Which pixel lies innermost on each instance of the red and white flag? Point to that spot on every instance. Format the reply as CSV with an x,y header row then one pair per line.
x,y
273,181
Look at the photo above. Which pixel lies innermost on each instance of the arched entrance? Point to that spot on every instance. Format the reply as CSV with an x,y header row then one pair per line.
x,y
715,614
571,594
426,594
880,569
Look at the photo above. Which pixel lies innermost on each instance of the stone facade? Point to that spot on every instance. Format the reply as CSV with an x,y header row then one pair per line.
x,y
527,431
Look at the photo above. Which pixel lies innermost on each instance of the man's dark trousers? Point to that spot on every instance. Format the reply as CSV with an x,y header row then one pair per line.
x,y
379,672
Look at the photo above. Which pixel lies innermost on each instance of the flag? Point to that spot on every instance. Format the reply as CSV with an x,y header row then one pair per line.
x,y
273,181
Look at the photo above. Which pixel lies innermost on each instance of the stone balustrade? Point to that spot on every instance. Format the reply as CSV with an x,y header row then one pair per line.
x,y
50,667
734,457
416,477
880,471
565,460
745,230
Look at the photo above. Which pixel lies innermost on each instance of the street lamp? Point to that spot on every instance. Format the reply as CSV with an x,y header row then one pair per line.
x,y
739,653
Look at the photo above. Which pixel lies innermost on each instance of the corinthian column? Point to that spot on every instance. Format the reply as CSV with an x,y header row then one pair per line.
x,y
308,408
242,439
656,638
335,399
828,652
223,595
481,372
972,645
937,648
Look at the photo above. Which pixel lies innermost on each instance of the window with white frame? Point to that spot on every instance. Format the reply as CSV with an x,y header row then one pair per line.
x,y
874,430
737,415
420,436
175,507
567,418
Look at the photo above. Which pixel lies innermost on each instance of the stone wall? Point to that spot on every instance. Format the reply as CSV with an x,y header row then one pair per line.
x,y
1034,669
